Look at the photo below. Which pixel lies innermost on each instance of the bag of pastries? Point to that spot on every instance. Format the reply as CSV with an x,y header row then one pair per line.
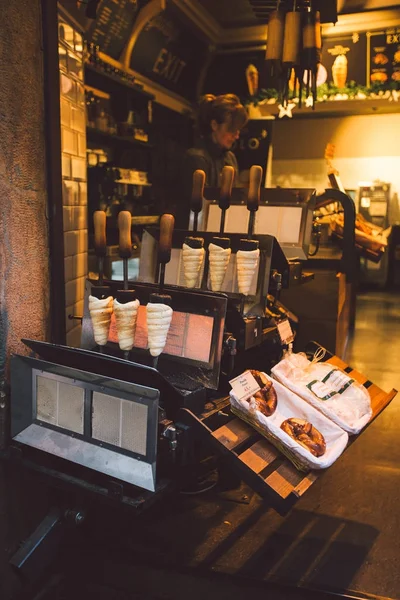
x,y
327,388
367,234
306,437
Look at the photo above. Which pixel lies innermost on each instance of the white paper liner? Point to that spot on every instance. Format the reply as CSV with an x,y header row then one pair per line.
x,y
290,405
353,420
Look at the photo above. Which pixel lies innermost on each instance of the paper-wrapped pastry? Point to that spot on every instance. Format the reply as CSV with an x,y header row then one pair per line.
x,y
252,79
126,319
219,255
339,71
193,256
100,313
159,318
247,261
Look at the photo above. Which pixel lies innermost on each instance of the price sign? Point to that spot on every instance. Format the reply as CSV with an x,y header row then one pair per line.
x,y
244,386
285,332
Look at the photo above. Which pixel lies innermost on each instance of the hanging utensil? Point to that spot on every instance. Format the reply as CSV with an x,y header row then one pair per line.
x,y
291,49
273,55
311,52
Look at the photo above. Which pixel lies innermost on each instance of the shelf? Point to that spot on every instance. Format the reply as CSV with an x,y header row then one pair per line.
x,y
129,182
332,108
101,137
90,69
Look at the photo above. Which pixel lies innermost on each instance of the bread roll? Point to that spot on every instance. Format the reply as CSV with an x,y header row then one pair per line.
x,y
247,261
219,261
159,318
100,313
126,319
192,261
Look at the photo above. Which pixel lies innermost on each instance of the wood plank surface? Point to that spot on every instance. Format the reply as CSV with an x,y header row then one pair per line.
x,y
285,479
358,377
337,362
233,433
259,455
306,483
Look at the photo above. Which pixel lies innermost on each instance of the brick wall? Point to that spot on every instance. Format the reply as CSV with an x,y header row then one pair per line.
x,y
73,142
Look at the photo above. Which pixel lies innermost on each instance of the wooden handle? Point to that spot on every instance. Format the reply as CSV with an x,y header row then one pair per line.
x,y
125,240
167,223
227,177
100,243
253,199
292,39
276,25
196,203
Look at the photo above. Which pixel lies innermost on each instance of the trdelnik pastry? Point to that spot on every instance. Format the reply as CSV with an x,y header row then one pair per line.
x,y
219,252
159,317
126,319
100,313
193,257
247,261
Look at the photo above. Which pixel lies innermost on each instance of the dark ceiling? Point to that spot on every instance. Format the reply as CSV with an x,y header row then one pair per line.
x,y
243,13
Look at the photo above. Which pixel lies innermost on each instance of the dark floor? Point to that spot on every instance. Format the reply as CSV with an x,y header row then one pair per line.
x,y
344,534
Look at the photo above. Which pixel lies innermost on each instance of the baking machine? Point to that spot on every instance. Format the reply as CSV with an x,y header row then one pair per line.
x,y
98,422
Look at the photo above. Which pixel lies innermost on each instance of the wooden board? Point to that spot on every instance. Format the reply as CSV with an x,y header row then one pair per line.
x,y
265,469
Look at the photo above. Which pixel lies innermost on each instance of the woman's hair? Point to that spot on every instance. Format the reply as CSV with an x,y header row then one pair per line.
x,y
224,109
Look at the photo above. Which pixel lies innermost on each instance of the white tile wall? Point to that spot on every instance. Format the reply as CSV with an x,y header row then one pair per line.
x,y
73,140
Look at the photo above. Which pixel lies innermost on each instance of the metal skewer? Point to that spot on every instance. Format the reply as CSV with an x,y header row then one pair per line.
x,y
196,201
227,177
125,251
100,247
167,223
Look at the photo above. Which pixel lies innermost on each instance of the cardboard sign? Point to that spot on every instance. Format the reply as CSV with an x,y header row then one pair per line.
x,y
244,386
285,332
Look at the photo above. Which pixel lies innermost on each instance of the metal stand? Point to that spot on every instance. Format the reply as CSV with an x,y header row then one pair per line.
x,y
39,550
349,260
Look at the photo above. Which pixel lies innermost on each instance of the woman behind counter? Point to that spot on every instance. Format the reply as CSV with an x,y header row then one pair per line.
x,y
219,122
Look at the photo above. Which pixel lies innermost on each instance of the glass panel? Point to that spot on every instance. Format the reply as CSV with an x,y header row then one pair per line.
x,y
106,418
70,407
134,427
46,400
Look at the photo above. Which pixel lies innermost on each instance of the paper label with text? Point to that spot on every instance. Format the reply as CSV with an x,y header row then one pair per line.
x,y
285,331
335,382
244,386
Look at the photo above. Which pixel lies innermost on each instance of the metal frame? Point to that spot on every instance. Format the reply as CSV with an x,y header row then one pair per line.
x,y
349,260
194,302
52,126
128,466
88,401
279,197
272,257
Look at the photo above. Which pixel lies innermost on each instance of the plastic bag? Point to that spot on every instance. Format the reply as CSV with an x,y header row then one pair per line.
x,y
327,388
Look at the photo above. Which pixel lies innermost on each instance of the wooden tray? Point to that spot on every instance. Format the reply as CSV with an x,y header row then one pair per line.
x,y
260,464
